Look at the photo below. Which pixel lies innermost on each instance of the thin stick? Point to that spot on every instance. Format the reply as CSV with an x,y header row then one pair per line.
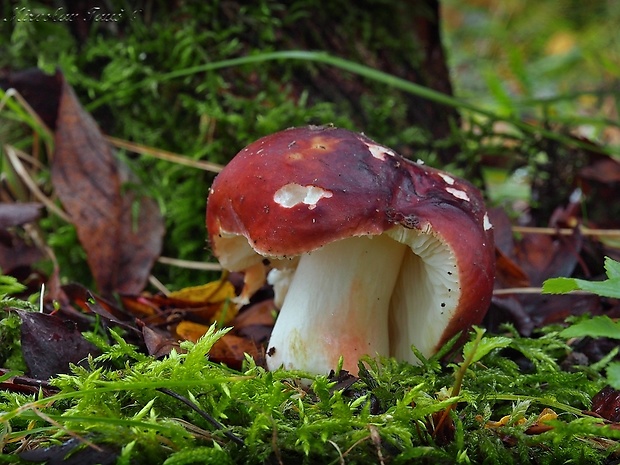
x,y
567,231
119,143
203,414
531,290
62,428
164,155
190,264
13,93
14,158
157,284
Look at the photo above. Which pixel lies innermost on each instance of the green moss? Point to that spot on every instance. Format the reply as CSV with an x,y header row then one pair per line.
x,y
392,412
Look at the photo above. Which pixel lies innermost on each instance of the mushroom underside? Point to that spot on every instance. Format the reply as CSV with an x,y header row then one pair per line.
x,y
375,295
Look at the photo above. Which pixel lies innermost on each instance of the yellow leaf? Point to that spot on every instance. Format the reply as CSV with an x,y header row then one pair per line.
x,y
219,293
191,331
211,293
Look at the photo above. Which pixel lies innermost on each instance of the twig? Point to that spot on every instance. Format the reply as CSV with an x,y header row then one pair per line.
x,y
203,414
14,158
190,264
157,284
69,432
531,290
340,457
567,231
118,143
164,155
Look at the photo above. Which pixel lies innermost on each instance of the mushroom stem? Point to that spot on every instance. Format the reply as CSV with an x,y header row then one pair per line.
x,y
337,305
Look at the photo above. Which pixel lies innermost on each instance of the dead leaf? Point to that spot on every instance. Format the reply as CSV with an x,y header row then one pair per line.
x,y
16,251
142,306
605,170
16,214
215,298
120,231
25,384
542,256
213,292
606,403
72,452
508,273
255,322
89,302
230,350
258,314
158,343
190,331
41,91
50,344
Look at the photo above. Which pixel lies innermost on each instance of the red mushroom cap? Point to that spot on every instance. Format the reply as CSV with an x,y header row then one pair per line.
x,y
295,191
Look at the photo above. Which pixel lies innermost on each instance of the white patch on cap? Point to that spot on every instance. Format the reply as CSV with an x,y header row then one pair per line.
x,y
378,151
446,178
293,194
486,223
459,194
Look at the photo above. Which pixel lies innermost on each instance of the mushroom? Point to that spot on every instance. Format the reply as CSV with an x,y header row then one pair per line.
x,y
371,253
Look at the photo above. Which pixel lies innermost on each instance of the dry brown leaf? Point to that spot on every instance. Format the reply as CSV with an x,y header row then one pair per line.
x,y
91,183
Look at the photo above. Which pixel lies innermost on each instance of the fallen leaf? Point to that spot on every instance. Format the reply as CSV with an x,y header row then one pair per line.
x,y
213,292
72,452
260,313
542,256
606,403
25,384
190,331
216,298
89,302
158,343
255,322
141,306
120,231
50,344
230,350
605,170
40,90
16,251
16,214
508,273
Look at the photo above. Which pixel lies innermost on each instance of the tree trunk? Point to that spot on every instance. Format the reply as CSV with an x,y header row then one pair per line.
x,y
401,38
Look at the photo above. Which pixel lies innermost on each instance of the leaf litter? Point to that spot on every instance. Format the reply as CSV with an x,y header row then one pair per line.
x,y
143,375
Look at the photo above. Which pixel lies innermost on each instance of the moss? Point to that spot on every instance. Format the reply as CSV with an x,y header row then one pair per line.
x,y
391,413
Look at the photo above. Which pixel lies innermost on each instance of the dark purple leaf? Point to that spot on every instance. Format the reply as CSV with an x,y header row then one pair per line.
x,y
50,344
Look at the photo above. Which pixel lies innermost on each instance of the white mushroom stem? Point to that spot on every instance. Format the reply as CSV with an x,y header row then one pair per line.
x,y
337,305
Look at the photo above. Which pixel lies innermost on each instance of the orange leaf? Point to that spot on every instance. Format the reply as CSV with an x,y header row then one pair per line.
x,y
191,331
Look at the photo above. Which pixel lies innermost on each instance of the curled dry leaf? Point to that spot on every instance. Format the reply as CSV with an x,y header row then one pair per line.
x,y
120,230
159,343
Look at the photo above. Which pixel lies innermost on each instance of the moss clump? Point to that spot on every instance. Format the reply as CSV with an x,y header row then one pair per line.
x,y
394,413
